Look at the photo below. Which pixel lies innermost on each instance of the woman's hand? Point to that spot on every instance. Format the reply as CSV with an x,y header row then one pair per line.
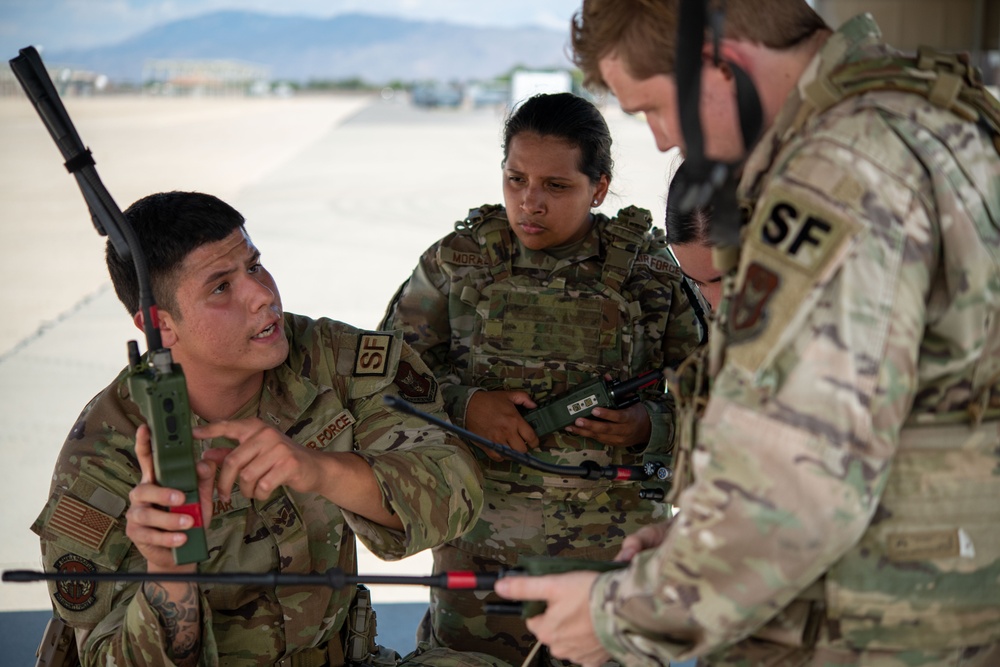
x,y
494,415
615,428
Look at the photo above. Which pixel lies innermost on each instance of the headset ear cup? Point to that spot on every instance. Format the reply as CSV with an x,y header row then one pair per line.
x,y
727,219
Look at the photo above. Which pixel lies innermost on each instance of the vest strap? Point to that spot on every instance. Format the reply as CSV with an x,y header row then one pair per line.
x,y
626,239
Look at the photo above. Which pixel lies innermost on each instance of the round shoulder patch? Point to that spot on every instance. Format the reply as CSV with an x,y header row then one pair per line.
x,y
75,595
414,386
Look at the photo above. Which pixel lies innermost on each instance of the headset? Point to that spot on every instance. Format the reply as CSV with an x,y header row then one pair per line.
x,y
706,182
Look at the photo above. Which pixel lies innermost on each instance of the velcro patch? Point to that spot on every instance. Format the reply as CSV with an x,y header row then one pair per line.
x,y
413,386
237,501
75,595
926,545
801,236
659,264
281,517
749,311
97,497
79,521
372,354
462,258
330,431
795,242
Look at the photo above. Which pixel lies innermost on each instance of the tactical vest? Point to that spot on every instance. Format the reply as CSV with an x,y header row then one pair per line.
x,y
545,336
926,573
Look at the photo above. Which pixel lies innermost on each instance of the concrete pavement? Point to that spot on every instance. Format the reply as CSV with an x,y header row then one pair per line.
x,y
340,193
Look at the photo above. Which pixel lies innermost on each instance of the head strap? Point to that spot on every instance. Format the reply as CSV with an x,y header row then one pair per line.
x,y
709,182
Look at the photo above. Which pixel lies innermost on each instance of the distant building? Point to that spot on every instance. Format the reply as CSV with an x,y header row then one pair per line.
x,y
205,77
68,81
526,83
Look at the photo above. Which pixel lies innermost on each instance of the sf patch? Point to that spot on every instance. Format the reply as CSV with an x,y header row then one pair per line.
x,y
799,235
372,355
413,386
75,595
797,240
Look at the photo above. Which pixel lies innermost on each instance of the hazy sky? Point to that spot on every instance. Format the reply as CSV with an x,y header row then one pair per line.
x,y
60,24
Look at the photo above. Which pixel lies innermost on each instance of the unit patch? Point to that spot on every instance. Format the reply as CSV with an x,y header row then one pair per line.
x,y
413,386
372,354
749,313
79,521
75,595
329,433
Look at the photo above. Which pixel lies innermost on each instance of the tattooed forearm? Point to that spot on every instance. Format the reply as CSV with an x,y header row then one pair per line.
x,y
180,614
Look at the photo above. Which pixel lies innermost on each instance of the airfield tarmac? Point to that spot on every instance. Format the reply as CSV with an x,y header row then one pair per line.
x,y
341,194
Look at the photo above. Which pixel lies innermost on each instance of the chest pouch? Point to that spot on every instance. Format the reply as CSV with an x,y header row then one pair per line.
x,y
544,339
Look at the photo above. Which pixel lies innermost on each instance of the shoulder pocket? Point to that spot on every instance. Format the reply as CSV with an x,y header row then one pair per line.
x,y
796,242
78,537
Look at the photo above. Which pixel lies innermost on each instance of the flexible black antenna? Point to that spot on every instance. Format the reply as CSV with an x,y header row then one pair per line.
x,y
332,578
590,470
105,214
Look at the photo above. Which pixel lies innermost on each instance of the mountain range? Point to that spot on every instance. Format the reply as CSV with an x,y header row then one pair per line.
x,y
375,49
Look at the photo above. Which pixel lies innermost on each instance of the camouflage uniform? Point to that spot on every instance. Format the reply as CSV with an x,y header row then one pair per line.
x,y
326,396
485,312
846,473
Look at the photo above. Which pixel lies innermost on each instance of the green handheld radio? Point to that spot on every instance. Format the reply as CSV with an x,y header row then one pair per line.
x,y
560,411
156,384
162,398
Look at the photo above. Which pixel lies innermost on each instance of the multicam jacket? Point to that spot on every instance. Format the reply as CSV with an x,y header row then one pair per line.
x,y
846,472
485,312
327,396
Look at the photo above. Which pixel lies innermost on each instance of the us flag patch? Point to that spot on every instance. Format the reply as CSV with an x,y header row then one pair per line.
x,y
80,521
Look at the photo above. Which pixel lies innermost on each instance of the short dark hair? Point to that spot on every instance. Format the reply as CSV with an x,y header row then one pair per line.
x,y
169,225
568,117
689,226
